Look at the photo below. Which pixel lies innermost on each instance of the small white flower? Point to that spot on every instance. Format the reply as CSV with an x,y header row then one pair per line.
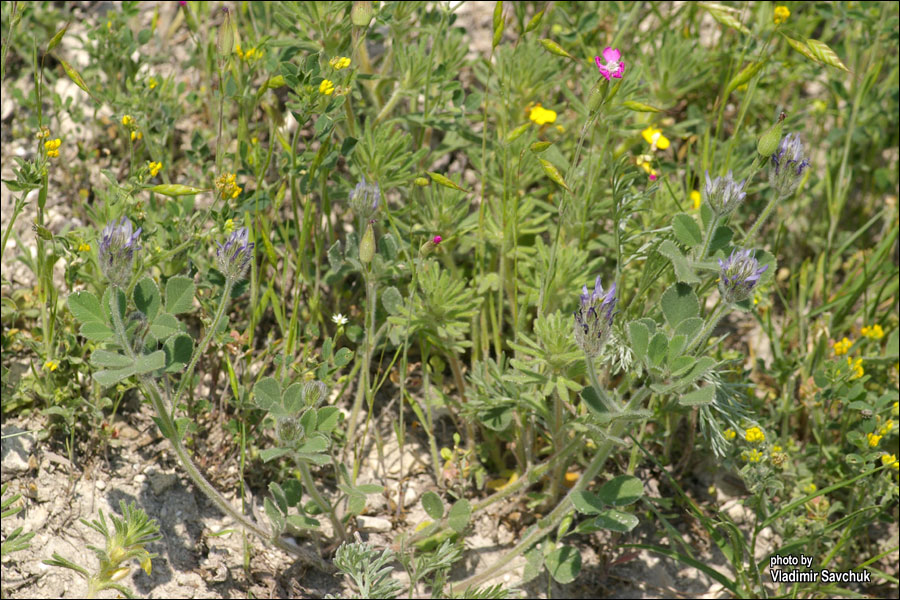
x,y
339,319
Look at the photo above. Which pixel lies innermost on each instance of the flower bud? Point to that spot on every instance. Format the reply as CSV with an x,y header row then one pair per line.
x,y
788,164
593,321
723,194
768,142
364,199
361,13
116,254
234,257
738,275
422,181
367,246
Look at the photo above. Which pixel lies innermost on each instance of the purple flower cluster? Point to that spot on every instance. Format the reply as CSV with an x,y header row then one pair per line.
x,y
593,320
234,257
738,275
724,194
118,243
788,165
364,198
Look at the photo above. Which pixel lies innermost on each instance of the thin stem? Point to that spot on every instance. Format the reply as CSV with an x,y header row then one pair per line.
x,y
762,217
707,329
310,484
20,205
710,231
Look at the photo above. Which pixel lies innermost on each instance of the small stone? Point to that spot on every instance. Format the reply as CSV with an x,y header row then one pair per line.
x,y
100,484
410,496
17,449
140,478
373,524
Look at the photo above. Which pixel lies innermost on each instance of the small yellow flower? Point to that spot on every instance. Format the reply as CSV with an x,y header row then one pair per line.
x,y
229,226
127,120
560,129
51,365
326,87
753,456
52,147
875,332
856,367
754,435
895,410
890,460
339,62
781,14
227,186
810,488
776,448
136,135
154,167
84,247
873,439
842,346
152,83
730,434
887,427
540,115
43,133
655,138
695,199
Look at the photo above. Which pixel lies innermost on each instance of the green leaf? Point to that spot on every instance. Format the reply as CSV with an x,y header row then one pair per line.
x,y
178,349
104,358
444,181
314,445
686,230
564,564
458,517
616,520
689,328
112,376
267,454
179,294
150,362
587,503
640,339
86,308
657,350
497,418
146,297
329,417
96,332
699,397
392,300
302,522
640,106
679,302
279,496
275,515
724,15
433,506
292,400
342,357
175,189
165,326
683,270
621,491
721,239
267,394
825,54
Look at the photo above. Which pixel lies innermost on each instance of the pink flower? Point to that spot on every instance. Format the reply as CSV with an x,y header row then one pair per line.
x,y
437,240
610,66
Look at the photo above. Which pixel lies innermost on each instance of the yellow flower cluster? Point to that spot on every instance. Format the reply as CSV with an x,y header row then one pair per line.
x,y
655,138
339,62
227,186
250,54
326,87
781,14
84,247
810,488
842,347
875,332
695,199
890,460
856,367
643,161
754,435
873,439
540,115
52,147
154,167
753,456
152,83
51,365
129,122
730,434
887,427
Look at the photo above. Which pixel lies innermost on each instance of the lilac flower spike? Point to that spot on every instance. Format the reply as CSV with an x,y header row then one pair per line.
x,y
593,320
723,194
118,242
738,275
364,198
611,65
788,165
234,257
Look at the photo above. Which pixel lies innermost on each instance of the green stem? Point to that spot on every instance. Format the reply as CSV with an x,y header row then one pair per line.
x,y
707,329
363,389
20,205
762,217
310,485
710,232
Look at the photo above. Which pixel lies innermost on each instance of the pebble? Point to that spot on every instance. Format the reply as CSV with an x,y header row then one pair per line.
x,y
100,484
373,524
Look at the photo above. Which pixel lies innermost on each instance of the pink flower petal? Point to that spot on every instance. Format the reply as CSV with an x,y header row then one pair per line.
x,y
611,54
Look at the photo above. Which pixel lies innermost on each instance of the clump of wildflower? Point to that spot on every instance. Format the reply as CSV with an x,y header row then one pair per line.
x,y
753,455
234,256
788,165
364,198
248,55
781,14
594,318
887,428
655,138
841,346
754,435
645,161
339,319
540,115
873,439
696,199
738,275
730,434
875,332
51,365
437,240
723,194
810,488
890,460
611,65
229,226
339,62
154,167
84,247
856,367
326,87
118,242
227,186
152,82
52,147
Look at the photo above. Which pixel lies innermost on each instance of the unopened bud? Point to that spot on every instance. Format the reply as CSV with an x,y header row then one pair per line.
x,y
422,181
769,141
367,246
361,13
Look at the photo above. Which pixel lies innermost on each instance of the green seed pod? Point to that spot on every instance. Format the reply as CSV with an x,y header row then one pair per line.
x,y
769,141
597,97
361,13
422,181
367,246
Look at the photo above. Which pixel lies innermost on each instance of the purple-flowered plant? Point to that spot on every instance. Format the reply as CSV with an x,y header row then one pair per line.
x,y
738,275
234,257
118,243
723,194
611,64
593,320
364,198
788,164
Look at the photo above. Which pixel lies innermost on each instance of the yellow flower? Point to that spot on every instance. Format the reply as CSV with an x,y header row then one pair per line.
x,y
136,135
227,186
810,488
84,247
541,115
875,332
154,167
842,346
229,226
887,427
52,147
51,365
856,367
655,138
895,410
326,87
781,14
695,199
776,448
152,83
339,62
873,439
754,435
127,120
730,434
753,455
890,460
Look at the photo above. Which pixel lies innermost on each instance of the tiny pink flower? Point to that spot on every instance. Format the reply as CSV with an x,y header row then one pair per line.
x,y
611,65
437,240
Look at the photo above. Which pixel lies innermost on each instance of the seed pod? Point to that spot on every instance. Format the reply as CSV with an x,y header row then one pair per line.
x,y
769,141
367,246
